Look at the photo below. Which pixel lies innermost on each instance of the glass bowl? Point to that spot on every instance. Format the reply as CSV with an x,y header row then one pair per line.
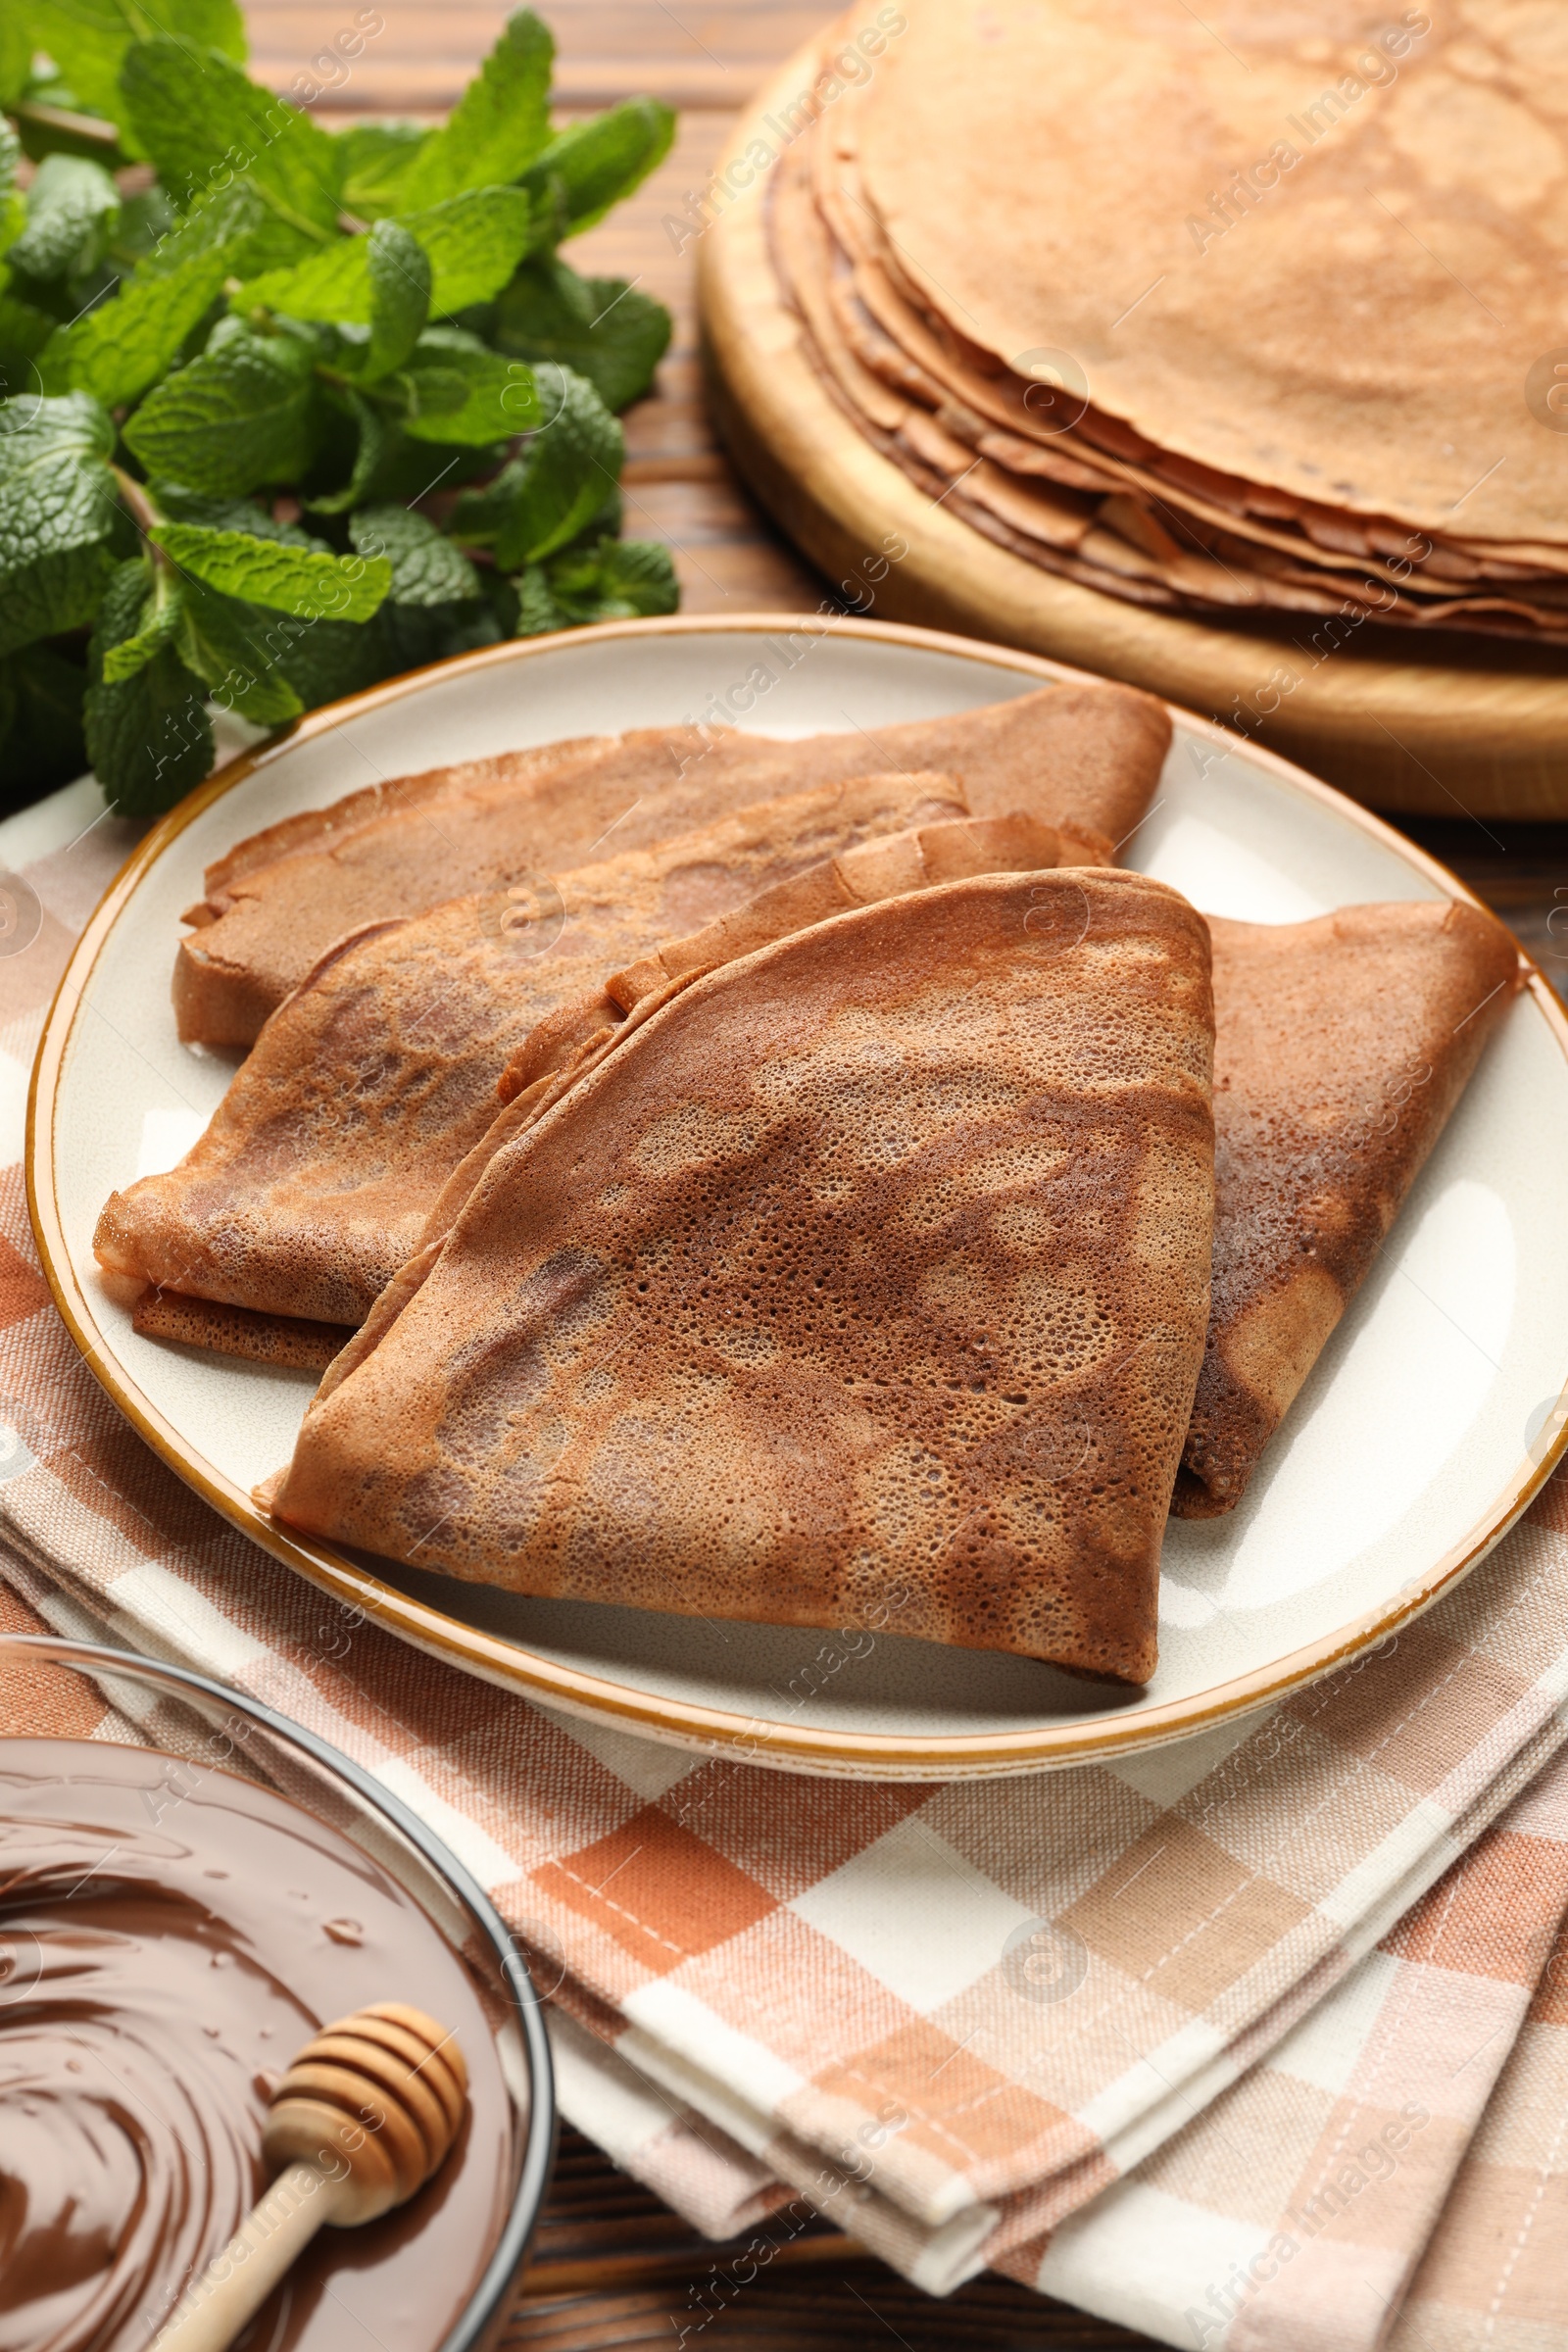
x,y
56,1689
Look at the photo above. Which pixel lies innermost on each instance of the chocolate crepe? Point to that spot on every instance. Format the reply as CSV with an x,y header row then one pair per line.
x,y
1128,439
572,1041
885,868
1341,1047
316,1176
1086,756
1342,243
871,1268
262,1339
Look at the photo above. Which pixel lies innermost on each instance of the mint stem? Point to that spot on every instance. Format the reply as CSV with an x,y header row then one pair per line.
x,y
87,129
141,510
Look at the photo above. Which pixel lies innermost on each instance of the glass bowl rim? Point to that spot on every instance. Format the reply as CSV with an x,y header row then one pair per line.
x,y
499,2277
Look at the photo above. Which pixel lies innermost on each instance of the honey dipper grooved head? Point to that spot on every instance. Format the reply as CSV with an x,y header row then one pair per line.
x,y
374,2102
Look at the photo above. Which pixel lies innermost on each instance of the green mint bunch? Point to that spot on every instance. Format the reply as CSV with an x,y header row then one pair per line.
x,y
288,411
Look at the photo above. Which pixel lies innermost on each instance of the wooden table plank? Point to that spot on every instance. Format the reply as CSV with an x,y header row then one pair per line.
x,y
652,2277
689,54
678,485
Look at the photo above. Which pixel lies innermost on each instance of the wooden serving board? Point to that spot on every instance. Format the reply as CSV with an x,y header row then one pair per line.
x,y
1482,733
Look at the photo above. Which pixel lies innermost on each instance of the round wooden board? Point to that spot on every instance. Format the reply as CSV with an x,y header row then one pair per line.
x,y
1485,734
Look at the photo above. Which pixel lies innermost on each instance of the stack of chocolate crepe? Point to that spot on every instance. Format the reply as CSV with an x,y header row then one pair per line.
x,y
1240,310
716,1178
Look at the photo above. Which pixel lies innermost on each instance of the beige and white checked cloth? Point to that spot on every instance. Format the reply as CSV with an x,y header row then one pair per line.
x,y
1260,2040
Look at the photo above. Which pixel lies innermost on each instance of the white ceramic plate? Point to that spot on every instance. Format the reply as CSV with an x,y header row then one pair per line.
x,y
1427,1425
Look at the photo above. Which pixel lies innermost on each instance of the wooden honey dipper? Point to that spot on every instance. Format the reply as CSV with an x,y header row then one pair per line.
x,y
367,2113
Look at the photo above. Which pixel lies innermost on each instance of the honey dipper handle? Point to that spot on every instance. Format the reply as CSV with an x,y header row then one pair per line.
x,y
237,2282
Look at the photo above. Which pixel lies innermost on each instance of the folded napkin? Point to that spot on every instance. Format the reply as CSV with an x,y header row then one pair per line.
x,y
1123,2031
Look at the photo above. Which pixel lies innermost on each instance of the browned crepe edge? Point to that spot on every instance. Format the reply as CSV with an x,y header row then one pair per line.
x,y
261,1338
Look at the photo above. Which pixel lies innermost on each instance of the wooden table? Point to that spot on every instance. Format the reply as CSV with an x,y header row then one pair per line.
x,y
614,2268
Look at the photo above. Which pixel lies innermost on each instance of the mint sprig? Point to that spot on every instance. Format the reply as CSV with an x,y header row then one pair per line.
x,y
87,41
311,409
498,126
474,243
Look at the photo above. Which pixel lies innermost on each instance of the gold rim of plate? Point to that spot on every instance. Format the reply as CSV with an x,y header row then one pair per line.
x,y
706,1730
1485,734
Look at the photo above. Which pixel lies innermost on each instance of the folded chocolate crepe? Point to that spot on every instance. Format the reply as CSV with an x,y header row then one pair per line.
x,y
316,1176
287,1340
1085,756
1341,1047
570,1042
872,1267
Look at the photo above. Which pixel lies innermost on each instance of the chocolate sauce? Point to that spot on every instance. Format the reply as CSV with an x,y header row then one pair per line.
x,y
170,1936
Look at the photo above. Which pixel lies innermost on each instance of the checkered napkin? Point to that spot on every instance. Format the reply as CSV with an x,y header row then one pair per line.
x,y
1225,2040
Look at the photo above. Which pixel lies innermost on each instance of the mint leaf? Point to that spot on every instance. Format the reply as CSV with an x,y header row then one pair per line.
x,y
25,329
427,568
317,659
73,207
326,660
57,510
149,736
184,505
374,159
237,650
410,470
367,457
559,483
600,327
16,54
498,126
224,223
147,221
622,579
45,746
593,165
418,634
87,41
537,611
124,345
400,297
13,203
474,243
455,390
283,579
237,416
205,125
156,626
58,592
333,283
619,579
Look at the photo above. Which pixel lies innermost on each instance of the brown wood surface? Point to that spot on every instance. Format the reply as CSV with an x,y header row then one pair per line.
x,y
614,2269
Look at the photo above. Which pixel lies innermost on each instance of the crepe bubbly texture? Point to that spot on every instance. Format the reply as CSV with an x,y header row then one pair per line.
x,y
365,1090
1341,1045
1085,755
873,1265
